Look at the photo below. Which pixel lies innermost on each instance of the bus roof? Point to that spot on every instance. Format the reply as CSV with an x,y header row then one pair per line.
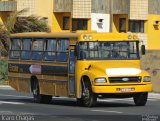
x,y
95,36
45,34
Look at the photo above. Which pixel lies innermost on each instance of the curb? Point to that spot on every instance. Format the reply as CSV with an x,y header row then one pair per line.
x,y
6,87
154,94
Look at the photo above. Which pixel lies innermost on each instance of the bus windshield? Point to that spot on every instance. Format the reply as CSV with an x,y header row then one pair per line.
x,y
108,50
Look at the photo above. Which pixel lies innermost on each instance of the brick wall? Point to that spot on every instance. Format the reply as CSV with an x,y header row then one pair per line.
x,y
29,4
8,6
62,5
81,9
138,9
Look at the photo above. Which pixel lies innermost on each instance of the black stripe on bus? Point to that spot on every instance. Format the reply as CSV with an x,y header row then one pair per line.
x,y
45,70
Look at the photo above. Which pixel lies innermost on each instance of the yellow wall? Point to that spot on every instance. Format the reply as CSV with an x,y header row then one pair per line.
x,y
151,60
1,20
58,22
3,16
55,19
116,17
89,25
45,9
153,32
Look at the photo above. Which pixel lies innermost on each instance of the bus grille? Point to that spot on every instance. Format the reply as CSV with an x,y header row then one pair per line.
x,y
124,79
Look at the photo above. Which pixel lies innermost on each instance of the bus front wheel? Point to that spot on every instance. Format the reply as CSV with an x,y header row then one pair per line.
x,y
39,98
88,98
140,99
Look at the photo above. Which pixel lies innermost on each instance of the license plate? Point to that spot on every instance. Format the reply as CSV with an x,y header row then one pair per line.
x,y
125,89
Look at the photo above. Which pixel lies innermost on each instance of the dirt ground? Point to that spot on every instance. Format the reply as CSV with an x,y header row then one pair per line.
x,y
151,63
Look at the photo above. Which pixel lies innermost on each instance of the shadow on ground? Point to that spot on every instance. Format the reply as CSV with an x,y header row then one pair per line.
x,y
70,102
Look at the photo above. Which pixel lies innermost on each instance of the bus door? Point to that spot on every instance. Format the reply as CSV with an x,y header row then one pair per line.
x,y
71,75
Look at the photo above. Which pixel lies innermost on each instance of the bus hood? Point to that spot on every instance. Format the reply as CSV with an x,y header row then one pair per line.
x,y
117,68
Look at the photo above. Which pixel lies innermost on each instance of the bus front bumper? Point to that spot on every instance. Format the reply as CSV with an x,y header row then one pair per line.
x,y
122,89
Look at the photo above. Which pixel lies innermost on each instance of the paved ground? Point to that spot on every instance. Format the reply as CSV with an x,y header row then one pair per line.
x,y
15,106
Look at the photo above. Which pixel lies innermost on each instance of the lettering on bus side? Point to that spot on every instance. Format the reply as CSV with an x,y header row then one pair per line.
x,y
13,68
19,68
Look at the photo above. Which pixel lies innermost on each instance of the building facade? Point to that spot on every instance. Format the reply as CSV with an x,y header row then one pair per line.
x,y
136,16
37,8
119,16
6,8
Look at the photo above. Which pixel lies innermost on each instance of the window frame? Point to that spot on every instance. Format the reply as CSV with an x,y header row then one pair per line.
x,y
43,51
38,51
133,27
47,51
60,52
78,23
65,20
124,22
30,50
87,49
17,50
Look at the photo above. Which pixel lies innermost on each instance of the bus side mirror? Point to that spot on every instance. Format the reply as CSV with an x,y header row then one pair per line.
x,y
143,49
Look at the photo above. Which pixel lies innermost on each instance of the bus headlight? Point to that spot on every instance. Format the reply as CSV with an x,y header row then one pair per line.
x,y
147,79
100,80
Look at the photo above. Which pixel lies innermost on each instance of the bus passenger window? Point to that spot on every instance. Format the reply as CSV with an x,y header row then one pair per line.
x,y
26,49
50,50
37,49
62,52
15,48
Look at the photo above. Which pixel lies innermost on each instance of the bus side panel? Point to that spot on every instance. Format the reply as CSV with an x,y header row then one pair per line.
x,y
47,88
54,80
13,82
53,88
26,85
22,85
62,89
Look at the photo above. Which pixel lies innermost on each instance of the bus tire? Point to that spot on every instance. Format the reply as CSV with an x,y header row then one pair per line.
x,y
88,98
40,98
140,99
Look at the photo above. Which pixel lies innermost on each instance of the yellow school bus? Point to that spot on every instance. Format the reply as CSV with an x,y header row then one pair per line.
x,y
86,66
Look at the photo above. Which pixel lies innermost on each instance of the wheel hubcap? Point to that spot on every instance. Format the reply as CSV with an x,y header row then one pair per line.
x,y
35,92
86,93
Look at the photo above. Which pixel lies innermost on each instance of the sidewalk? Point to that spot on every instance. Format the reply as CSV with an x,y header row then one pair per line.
x,y
152,95
6,87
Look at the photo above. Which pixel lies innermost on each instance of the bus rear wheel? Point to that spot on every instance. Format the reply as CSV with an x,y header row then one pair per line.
x,y
88,98
39,98
140,99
